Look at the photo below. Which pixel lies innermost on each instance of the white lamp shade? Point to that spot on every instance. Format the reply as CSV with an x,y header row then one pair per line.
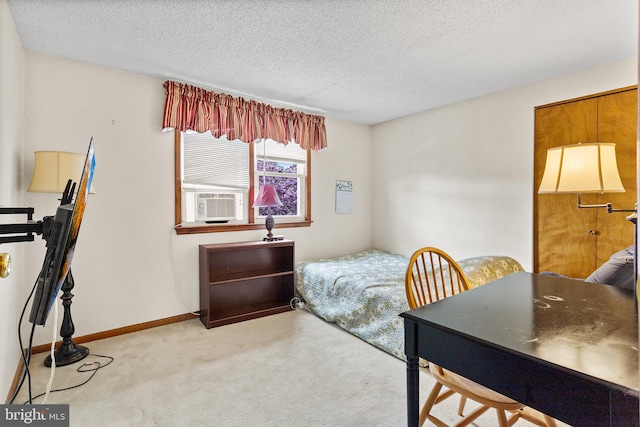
x,y
581,168
52,170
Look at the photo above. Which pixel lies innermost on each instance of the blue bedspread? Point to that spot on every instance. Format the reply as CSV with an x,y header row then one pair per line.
x,y
363,293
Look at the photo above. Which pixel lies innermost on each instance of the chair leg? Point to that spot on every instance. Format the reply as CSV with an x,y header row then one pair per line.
x,y
426,408
502,418
472,416
463,401
513,418
537,417
443,395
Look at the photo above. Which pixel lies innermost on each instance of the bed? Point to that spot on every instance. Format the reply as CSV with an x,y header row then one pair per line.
x,y
363,293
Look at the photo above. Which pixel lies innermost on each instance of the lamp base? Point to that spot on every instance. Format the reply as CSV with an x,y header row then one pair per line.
x,y
67,354
269,222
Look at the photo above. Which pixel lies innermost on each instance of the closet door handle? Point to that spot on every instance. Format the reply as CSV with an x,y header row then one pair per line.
x,y
593,232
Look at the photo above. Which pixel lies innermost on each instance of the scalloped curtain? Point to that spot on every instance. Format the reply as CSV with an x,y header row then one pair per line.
x,y
191,108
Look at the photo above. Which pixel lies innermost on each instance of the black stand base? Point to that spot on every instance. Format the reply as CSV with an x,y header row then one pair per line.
x,y
67,354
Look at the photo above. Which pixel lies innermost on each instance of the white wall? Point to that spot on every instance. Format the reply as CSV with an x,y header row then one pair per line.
x,y
11,128
461,177
122,264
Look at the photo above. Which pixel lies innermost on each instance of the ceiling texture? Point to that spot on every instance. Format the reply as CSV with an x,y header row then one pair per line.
x,y
364,61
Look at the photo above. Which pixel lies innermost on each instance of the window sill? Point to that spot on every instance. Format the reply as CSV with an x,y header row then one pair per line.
x,y
208,228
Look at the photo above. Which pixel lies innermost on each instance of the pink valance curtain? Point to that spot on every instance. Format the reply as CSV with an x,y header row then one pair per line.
x,y
191,108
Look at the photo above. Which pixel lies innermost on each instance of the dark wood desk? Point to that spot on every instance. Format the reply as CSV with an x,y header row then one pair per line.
x,y
565,347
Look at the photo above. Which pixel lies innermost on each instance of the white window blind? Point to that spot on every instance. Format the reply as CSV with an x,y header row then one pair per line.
x,y
276,151
217,162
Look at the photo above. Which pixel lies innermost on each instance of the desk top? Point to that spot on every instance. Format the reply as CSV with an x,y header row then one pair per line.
x,y
588,328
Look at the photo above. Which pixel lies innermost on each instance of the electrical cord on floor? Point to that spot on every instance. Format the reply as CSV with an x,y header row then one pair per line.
x,y
92,367
174,271
52,352
297,303
26,357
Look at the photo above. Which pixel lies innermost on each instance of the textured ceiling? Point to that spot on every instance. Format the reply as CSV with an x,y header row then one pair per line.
x,y
361,61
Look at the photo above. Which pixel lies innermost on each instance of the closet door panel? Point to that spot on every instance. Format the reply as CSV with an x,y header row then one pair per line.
x,y
616,123
572,241
564,236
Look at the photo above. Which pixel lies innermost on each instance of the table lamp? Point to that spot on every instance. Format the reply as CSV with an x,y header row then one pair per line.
x,y
268,197
582,168
51,172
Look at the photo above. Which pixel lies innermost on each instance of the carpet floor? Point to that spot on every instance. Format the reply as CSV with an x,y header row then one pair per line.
x,y
290,369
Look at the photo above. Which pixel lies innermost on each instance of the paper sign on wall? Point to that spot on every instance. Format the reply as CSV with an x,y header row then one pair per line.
x,y
344,197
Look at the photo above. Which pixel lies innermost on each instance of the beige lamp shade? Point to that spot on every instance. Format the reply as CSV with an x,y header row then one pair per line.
x,y
52,170
581,168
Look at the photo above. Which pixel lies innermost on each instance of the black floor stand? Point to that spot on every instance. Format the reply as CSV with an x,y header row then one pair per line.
x,y
68,352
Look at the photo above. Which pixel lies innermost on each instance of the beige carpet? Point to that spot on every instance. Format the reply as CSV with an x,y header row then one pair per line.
x,y
290,369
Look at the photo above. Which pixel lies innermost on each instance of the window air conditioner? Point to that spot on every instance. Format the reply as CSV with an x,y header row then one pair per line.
x,y
216,207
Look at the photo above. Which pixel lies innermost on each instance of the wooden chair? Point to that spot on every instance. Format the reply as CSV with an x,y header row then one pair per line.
x,y
431,276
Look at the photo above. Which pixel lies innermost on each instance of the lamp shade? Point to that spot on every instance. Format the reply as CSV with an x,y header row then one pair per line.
x,y
52,170
581,168
267,196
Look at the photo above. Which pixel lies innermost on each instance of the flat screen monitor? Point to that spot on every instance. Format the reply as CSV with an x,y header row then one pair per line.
x,y
61,243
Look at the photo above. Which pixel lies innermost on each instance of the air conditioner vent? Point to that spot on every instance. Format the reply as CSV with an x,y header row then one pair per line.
x,y
216,207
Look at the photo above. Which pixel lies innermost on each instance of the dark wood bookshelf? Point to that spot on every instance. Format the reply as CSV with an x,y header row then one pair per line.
x,y
246,280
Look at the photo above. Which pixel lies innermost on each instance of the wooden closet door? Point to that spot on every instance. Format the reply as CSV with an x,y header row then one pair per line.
x,y
617,123
571,241
563,243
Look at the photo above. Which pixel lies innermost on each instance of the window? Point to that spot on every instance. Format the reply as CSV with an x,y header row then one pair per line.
x,y
286,170
217,180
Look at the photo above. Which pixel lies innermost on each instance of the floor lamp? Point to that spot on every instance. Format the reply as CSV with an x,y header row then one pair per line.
x,y
587,168
51,172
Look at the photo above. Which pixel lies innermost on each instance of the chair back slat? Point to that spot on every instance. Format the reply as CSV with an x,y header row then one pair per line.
x,y
431,276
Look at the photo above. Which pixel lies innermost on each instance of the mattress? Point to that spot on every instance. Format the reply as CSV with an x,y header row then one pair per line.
x,y
364,293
